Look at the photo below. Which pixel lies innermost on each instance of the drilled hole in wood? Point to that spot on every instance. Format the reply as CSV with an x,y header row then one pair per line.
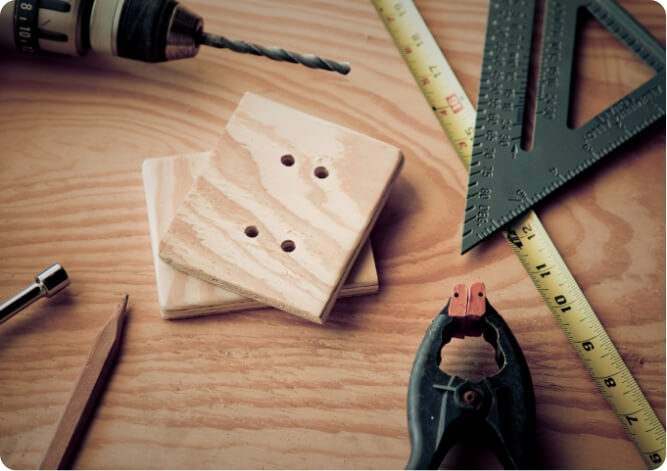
x,y
321,172
287,160
251,231
288,245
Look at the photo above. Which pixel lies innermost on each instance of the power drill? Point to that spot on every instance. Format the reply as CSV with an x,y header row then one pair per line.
x,y
144,30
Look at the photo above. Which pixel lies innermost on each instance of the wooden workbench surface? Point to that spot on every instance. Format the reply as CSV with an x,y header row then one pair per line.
x,y
262,388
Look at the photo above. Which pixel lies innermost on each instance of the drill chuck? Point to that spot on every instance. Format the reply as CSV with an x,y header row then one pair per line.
x,y
145,30
149,31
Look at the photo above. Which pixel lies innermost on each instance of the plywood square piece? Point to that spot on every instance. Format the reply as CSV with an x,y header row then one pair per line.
x,y
166,182
282,210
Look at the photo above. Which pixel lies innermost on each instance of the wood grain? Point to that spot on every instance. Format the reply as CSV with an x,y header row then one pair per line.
x,y
282,210
268,390
166,182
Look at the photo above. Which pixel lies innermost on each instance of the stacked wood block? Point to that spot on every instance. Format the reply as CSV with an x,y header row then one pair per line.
x,y
277,215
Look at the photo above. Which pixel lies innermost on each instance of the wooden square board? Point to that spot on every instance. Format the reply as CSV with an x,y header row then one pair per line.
x,y
166,182
282,210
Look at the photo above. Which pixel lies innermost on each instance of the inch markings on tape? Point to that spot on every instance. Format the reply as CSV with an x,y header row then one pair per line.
x,y
528,237
587,335
432,73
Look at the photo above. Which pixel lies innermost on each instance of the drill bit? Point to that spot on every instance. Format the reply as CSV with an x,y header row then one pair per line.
x,y
275,53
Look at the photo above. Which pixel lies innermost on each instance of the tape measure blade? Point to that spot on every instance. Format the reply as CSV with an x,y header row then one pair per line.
x,y
434,76
583,329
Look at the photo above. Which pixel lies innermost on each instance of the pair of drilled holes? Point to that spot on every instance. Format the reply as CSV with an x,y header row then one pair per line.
x,y
320,172
286,245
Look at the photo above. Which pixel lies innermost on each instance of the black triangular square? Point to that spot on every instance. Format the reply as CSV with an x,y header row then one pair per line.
x,y
506,180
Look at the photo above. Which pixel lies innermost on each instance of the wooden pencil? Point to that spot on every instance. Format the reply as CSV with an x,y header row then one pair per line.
x,y
84,395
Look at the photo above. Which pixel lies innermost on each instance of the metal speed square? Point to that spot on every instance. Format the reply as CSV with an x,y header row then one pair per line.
x,y
505,180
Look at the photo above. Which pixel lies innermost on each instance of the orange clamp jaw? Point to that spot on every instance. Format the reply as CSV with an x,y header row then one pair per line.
x,y
468,307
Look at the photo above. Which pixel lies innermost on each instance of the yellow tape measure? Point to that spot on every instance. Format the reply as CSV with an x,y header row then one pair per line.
x,y
432,72
528,237
587,335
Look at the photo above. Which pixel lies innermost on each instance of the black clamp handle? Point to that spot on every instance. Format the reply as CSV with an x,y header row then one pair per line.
x,y
499,411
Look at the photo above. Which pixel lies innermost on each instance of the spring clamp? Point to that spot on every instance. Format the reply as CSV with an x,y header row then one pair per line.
x,y
498,411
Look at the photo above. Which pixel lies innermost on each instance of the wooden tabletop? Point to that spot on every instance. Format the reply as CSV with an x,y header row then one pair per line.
x,y
262,388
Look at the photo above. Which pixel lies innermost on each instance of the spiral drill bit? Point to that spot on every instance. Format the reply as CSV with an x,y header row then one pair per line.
x,y
275,53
